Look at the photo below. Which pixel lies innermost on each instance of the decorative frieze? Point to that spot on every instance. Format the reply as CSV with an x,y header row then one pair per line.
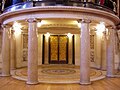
x,y
92,48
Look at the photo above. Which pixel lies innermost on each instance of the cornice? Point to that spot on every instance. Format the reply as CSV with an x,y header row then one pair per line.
x,y
57,12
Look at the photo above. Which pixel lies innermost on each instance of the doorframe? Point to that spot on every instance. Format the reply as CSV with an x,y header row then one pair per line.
x,y
43,49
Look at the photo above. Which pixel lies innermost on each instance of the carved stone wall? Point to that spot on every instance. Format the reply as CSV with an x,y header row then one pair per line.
x,y
25,46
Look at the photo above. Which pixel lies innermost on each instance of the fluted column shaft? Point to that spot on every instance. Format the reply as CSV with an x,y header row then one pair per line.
x,y
32,53
85,53
110,53
6,51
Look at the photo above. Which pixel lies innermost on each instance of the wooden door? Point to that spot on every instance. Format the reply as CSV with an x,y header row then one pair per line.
x,y
58,50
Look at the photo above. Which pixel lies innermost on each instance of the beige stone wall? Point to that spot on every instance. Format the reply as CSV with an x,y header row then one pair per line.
x,y
103,50
98,50
20,62
19,51
97,61
40,43
77,49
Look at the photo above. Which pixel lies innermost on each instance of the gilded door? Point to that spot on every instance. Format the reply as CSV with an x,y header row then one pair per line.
x,y
58,49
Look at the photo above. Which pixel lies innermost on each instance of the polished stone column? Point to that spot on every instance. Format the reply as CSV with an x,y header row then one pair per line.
x,y
85,53
12,50
6,51
110,53
32,52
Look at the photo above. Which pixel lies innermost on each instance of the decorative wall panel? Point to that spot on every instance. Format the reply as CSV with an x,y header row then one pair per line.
x,y
92,48
91,41
54,48
25,40
62,48
25,47
58,49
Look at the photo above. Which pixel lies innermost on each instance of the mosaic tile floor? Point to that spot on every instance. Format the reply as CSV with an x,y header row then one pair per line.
x,y
58,74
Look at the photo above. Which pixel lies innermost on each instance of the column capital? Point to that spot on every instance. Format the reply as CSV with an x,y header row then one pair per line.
x,y
85,21
31,20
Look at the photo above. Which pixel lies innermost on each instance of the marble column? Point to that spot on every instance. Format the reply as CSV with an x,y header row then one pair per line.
x,y
32,52
6,51
85,53
110,53
12,50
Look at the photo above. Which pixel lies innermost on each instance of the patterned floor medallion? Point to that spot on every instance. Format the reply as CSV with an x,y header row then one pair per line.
x,y
58,74
58,71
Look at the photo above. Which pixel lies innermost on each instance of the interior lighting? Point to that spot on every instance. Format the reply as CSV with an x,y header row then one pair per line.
x,y
39,24
42,22
69,35
17,28
79,24
47,34
17,25
100,27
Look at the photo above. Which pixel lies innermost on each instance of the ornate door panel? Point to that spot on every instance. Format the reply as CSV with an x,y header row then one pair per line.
x,y
62,48
58,49
54,48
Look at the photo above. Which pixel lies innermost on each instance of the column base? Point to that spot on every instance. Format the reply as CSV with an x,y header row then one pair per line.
x,y
85,83
110,76
32,83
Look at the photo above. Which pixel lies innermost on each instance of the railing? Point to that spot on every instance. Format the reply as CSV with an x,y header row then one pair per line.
x,y
30,4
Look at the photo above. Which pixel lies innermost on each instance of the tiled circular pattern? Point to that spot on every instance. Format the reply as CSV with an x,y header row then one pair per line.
x,y
58,71
58,74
